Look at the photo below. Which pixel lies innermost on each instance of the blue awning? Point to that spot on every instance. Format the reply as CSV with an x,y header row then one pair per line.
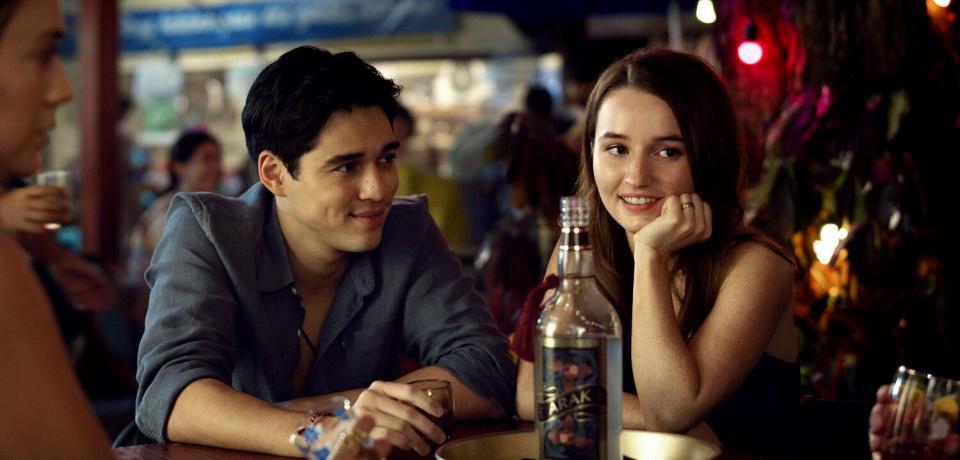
x,y
261,23
568,9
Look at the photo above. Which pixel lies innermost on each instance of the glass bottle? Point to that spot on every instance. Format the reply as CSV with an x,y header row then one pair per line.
x,y
578,366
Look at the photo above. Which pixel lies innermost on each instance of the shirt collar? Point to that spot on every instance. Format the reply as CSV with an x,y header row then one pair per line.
x,y
273,266
361,273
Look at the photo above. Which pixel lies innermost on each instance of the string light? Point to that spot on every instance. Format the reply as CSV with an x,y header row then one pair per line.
x,y
750,52
830,237
940,3
705,12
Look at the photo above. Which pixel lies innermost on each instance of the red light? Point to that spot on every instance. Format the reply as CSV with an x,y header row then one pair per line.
x,y
750,52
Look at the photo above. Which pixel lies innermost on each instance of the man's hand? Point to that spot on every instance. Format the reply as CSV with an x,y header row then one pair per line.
x,y
27,209
393,407
380,448
83,283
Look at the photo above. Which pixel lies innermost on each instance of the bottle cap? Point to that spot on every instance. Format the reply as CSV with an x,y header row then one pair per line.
x,y
574,212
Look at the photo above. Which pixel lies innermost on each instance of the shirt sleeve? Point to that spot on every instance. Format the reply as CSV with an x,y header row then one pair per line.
x,y
447,324
189,331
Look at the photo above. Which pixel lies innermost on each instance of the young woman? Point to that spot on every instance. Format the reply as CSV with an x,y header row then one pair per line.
x,y
45,413
709,342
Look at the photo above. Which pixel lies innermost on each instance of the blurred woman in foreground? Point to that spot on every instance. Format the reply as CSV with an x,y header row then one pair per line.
x,y
45,413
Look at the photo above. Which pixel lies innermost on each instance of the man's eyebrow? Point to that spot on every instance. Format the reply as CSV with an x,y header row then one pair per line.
x,y
354,156
390,146
343,158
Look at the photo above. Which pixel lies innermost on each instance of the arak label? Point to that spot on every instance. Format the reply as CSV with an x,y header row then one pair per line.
x,y
559,405
572,409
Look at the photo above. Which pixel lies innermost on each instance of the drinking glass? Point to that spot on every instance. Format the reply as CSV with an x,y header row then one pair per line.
x,y
442,392
60,179
924,413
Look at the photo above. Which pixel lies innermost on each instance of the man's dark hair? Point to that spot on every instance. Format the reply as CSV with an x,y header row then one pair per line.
x,y
292,99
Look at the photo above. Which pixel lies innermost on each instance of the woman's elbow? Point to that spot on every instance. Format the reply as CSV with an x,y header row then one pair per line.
x,y
524,408
524,397
660,414
670,420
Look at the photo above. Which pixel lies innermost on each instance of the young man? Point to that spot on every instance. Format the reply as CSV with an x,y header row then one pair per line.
x,y
314,282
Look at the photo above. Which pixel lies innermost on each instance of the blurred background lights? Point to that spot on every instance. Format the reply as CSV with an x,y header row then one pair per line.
x,y
750,52
707,15
830,237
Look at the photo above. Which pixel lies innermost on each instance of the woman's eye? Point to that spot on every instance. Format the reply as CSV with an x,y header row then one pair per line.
x,y
668,152
617,149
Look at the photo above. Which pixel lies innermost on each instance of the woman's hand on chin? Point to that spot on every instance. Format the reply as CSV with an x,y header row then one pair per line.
x,y
684,220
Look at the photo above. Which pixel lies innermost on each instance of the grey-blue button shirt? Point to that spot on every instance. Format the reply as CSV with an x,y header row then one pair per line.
x,y
223,305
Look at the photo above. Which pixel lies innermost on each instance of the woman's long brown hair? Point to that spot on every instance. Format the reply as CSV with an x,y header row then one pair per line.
x,y
705,114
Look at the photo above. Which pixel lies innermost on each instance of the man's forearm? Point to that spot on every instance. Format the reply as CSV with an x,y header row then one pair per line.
x,y
210,412
308,403
467,404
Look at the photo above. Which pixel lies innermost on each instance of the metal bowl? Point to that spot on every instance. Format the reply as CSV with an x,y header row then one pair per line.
x,y
518,445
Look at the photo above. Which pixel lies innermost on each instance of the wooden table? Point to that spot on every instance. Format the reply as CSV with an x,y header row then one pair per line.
x,y
460,431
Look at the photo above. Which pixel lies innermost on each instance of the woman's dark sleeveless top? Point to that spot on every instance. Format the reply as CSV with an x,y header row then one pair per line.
x,y
760,416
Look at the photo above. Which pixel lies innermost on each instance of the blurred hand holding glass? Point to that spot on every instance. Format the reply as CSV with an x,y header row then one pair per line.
x,y
924,414
62,180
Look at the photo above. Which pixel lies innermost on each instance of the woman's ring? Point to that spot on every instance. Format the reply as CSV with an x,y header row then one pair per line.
x,y
686,205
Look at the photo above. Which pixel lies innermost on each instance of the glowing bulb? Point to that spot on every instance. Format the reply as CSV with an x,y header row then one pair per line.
x,y
750,52
823,252
830,237
706,14
940,3
830,232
